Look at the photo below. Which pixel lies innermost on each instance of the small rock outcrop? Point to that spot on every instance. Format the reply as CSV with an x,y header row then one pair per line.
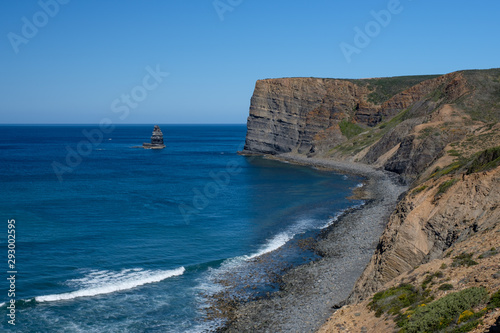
x,y
156,140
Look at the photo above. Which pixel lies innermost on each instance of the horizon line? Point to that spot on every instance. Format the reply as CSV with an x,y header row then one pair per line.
x,y
97,124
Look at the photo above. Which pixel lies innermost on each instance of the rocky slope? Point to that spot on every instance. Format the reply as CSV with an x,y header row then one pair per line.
x,y
425,239
438,134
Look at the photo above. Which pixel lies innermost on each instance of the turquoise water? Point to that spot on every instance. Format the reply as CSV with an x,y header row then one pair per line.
x,y
122,239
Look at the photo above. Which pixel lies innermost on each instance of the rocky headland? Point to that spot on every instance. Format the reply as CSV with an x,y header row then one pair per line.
x,y
423,253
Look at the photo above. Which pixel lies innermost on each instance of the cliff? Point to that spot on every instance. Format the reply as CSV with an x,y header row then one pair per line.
x,y
308,115
441,135
426,223
401,124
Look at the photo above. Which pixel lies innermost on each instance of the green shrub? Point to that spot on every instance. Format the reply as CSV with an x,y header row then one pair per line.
x,y
445,186
419,189
450,168
428,279
464,259
443,312
446,286
495,300
483,161
394,299
467,327
385,88
349,129
489,253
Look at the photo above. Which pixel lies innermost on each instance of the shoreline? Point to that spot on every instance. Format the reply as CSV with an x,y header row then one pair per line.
x,y
310,293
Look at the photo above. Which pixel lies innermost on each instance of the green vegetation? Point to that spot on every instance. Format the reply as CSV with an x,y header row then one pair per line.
x,y
370,136
419,189
484,161
397,119
454,152
443,266
495,300
483,103
464,259
349,129
394,299
428,279
453,310
446,286
489,253
415,312
447,170
437,94
428,131
445,186
385,88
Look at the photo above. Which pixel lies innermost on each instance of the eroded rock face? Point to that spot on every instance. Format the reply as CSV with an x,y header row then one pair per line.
x,y
302,115
418,150
424,225
295,114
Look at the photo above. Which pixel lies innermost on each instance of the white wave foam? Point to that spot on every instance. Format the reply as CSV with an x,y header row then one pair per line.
x,y
106,282
360,185
273,244
334,219
282,238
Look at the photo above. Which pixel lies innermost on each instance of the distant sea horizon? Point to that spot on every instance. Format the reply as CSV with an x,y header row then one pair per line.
x,y
122,124
136,240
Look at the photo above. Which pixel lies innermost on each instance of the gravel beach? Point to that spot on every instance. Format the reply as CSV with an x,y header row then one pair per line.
x,y
309,293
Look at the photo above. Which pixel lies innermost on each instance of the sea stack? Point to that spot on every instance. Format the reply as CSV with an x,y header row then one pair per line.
x,y
156,139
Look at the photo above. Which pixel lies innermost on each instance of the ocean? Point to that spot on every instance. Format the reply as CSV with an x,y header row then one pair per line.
x,y
114,238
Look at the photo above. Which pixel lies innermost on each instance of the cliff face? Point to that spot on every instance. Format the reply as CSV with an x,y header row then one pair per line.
x,y
304,114
425,224
292,115
359,120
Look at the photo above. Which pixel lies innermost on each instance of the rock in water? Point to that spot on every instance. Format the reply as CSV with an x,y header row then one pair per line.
x,y
156,140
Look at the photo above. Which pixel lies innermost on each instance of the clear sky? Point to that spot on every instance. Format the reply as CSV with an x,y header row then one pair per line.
x,y
81,61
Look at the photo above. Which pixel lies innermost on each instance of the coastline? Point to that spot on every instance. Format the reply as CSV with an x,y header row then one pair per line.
x,y
311,292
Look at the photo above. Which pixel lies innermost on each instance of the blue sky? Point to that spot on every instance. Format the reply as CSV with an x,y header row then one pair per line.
x,y
86,57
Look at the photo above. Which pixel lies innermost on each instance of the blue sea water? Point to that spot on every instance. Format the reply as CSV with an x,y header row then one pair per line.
x,y
112,238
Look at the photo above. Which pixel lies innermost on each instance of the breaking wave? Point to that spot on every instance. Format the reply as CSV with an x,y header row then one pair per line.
x,y
105,282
